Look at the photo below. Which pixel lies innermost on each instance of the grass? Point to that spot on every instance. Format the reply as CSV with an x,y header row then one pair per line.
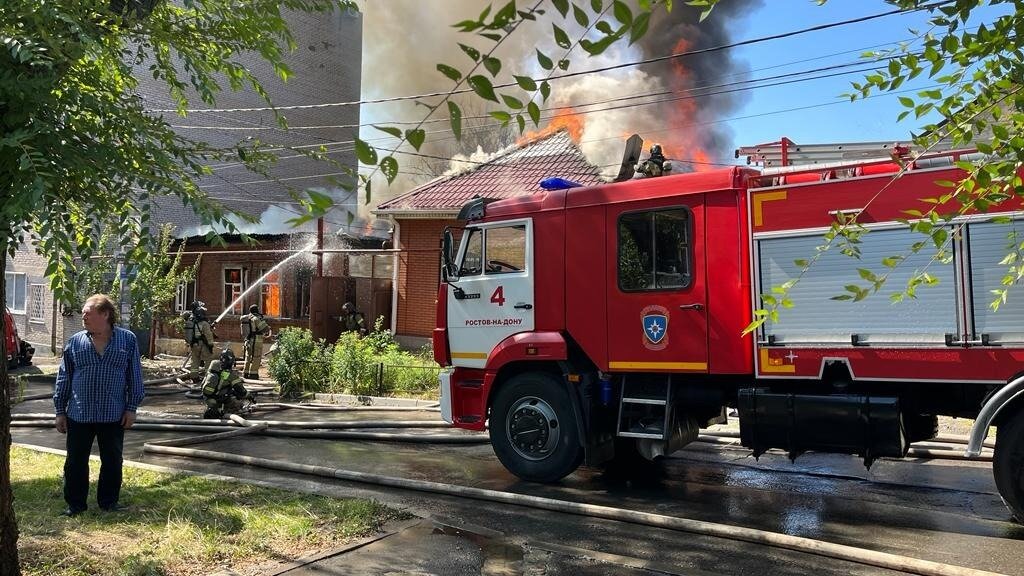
x,y
175,524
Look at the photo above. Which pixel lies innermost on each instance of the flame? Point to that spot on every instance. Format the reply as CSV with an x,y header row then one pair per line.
x,y
688,141
567,118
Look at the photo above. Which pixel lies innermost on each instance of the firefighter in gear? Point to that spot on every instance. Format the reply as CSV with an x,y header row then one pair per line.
x,y
223,390
352,320
254,330
200,337
655,165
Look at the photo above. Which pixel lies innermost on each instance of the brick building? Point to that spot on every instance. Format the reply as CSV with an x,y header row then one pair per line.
x,y
421,215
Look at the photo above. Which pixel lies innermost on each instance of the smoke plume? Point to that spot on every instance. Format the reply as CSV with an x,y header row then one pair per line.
x,y
404,40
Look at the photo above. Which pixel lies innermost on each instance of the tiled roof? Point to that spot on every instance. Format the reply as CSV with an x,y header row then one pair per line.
x,y
515,172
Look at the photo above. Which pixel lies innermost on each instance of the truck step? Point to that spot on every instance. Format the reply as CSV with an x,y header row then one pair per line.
x,y
651,401
644,407
658,436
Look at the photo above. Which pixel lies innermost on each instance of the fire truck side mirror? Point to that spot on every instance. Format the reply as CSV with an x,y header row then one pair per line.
x,y
447,255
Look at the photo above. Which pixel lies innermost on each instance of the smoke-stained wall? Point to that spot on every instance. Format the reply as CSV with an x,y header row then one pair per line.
x,y
325,68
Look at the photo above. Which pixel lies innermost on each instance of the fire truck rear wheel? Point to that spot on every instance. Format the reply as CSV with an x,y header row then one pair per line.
x,y
1008,464
533,431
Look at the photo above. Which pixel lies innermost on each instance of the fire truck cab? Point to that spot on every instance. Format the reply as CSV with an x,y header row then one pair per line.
x,y
607,323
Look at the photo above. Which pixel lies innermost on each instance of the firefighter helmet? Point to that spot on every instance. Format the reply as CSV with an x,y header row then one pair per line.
x,y
227,359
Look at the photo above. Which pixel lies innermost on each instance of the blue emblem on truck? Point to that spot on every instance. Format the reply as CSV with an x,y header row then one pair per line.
x,y
654,319
655,327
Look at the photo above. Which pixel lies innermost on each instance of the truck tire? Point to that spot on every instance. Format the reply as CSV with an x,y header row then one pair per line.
x,y
533,431
1008,464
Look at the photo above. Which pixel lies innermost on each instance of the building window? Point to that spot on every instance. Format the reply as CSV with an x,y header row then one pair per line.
x,y
16,288
654,250
36,295
184,296
270,294
233,290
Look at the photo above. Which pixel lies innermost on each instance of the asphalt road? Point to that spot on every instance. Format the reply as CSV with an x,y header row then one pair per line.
x,y
943,511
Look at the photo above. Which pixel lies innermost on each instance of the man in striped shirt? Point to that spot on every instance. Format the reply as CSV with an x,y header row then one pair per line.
x,y
99,388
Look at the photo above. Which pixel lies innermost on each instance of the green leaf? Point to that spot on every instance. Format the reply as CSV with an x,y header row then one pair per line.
x,y
907,102
365,153
493,65
368,193
483,87
580,16
512,102
505,15
522,123
622,12
563,64
501,116
389,167
597,6
450,72
545,90
639,27
526,83
534,111
561,38
604,27
471,52
455,117
416,137
544,61
396,132
562,6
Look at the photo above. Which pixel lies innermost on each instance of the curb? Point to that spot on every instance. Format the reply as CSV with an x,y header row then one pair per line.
x,y
373,400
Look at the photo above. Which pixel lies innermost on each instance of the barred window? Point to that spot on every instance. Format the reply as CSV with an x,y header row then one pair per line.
x,y
36,303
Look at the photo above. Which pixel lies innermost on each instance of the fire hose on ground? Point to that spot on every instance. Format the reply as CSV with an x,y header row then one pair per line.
x,y
796,543
335,430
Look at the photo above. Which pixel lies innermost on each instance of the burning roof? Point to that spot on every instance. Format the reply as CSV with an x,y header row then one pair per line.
x,y
513,172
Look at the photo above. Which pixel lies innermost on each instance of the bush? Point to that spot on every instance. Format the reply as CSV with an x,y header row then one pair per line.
x,y
354,365
301,363
374,365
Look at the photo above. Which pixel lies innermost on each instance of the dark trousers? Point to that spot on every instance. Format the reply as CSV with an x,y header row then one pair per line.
x,y
110,437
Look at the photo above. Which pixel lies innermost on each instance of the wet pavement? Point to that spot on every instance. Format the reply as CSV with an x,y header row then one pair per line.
x,y
939,510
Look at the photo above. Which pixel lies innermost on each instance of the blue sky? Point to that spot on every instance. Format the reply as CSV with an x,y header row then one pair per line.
x,y
868,120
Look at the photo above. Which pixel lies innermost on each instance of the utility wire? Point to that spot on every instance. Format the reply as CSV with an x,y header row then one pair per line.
x,y
582,72
874,66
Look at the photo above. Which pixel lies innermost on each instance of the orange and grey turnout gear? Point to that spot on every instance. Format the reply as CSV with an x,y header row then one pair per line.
x,y
223,390
254,330
199,336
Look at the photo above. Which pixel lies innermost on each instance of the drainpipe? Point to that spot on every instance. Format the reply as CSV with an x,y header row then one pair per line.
x,y
396,237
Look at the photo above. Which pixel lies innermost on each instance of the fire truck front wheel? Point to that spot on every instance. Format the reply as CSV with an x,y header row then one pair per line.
x,y
1008,463
533,431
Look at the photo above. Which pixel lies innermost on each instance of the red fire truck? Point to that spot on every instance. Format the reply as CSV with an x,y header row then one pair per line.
x,y
19,352
600,323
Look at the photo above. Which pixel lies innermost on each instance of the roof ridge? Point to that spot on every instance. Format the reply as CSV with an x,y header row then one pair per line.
x,y
499,155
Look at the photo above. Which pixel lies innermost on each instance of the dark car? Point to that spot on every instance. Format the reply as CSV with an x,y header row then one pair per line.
x,y
19,352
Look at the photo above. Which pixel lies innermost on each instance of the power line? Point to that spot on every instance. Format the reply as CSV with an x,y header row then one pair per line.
x,y
582,72
683,95
566,107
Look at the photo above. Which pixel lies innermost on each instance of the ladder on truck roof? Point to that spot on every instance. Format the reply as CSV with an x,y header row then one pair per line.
x,y
785,152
